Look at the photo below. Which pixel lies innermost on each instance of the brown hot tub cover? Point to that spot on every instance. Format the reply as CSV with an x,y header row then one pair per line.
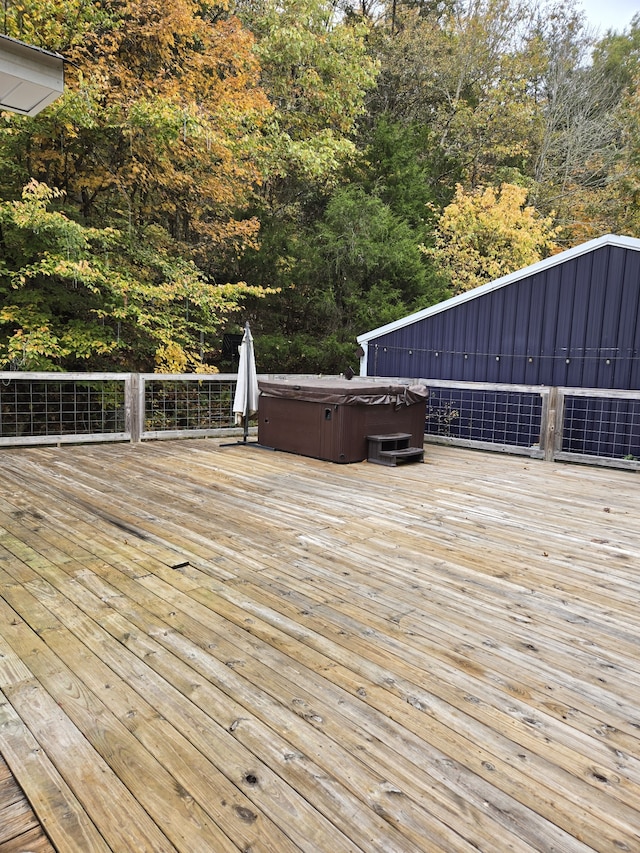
x,y
345,392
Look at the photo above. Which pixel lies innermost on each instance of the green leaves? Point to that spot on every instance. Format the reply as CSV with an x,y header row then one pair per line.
x,y
316,71
71,293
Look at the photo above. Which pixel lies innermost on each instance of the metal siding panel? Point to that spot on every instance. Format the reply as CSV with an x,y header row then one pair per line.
x,y
438,348
404,354
537,286
593,338
486,368
419,342
566,286
407,354
438,322
549,327
634,380
635,358
397,353
381,357
614,327
629,331
371,354
469,342
447,342
614,273
437,351
457,341
508,298
458,333
481,355
590,343
435,360
432,366
394,352
578,277
522,305
495,337
372,350
610,268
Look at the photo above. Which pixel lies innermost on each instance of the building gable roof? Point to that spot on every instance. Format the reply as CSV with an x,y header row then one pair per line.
x,y
554,260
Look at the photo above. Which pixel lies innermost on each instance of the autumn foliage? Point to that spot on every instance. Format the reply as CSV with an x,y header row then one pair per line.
x,y
487,233
320,168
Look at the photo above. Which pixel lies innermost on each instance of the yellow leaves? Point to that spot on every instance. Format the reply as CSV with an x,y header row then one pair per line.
x,y
176,112
170,358
173,358
488,233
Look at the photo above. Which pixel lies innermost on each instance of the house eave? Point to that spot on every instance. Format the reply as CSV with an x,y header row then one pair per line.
x,y
30,78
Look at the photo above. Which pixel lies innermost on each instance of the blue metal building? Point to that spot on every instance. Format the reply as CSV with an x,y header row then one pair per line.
x,y
570,320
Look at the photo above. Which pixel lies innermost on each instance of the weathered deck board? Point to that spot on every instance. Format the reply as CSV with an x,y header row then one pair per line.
x,y
223,648
20,830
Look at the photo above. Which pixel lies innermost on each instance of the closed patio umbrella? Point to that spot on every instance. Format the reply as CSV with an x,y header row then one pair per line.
x,y
245,402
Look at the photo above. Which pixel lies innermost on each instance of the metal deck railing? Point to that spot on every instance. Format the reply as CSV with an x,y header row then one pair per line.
x,y
596,426
46,408
570,424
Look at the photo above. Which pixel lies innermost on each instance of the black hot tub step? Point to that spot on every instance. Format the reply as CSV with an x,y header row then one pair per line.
x,y
402,455
393,448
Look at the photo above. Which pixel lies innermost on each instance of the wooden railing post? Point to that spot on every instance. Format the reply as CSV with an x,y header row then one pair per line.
x,y
551,427
134,412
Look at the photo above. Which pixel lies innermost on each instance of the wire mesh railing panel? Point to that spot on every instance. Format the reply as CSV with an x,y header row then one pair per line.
x,y
588,425
503,417
601,426
41,408
176,404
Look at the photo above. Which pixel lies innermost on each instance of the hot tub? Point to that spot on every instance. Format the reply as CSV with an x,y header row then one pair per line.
x,y
330,417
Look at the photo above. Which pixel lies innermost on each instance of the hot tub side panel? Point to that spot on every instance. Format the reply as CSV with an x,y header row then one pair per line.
x,y
333,432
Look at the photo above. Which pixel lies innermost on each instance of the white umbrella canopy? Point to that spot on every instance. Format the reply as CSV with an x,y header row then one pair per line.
x,y
245,402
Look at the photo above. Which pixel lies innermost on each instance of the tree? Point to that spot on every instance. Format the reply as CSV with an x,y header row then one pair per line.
x,y
359,267
75,293
161,99
485,234
618,54
156,137
612,205
315,69
578,137
463,69
396,167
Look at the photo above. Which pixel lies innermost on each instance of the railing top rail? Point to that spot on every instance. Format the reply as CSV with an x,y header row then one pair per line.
x,y
55,376
566,390
222,377
188,377
76,376
482,386
610,393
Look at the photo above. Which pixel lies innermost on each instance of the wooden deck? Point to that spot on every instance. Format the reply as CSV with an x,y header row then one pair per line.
x,y
208,648
20,829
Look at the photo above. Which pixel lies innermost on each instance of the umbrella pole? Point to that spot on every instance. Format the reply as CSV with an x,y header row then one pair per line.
x,y
246,408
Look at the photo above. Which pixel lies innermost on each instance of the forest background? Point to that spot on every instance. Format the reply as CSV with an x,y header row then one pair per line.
x,y
317,168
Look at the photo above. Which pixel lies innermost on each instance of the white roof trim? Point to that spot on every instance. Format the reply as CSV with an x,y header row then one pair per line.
x,y
569,254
